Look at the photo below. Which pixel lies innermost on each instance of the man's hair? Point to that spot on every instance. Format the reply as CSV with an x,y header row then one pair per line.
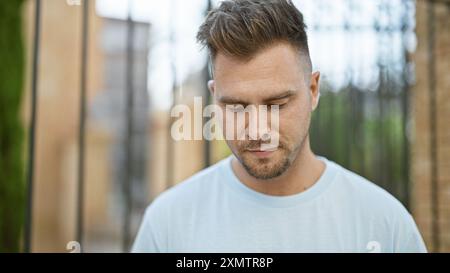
x,y
241,28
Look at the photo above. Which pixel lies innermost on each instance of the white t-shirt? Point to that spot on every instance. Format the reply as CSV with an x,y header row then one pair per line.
x,y
214,212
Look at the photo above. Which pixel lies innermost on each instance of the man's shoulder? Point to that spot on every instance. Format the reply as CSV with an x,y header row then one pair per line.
x,y
379,207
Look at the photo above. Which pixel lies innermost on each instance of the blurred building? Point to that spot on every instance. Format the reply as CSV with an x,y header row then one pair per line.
x,y
109,111
54,207
431,142
158,162
56,162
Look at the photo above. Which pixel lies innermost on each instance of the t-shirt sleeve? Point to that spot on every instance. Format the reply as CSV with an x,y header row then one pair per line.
x,y
408,238
150,237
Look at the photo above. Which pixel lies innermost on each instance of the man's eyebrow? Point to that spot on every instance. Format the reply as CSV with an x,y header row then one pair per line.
x,y
231,100
283,95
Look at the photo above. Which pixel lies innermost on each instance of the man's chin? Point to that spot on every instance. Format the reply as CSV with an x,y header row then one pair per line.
x,y
265,167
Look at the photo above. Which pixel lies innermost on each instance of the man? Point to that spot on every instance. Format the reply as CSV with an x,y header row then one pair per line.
x,y
272,200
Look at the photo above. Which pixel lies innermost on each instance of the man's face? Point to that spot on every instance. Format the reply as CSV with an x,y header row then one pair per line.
x,y
275,76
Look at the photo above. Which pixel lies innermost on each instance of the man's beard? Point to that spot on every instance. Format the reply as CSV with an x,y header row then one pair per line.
x,y
265,169
271,167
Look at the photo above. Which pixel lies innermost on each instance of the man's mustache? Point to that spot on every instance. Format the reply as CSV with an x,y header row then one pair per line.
x,y
254,145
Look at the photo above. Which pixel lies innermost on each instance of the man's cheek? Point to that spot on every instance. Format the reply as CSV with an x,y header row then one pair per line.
x,y
234,145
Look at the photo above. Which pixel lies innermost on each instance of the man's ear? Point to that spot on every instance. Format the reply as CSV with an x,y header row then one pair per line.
x,y
315,89
211,87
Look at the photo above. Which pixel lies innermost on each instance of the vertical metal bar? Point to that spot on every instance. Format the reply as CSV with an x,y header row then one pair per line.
x,y
206,143
32,132
363,132
381,141
358,105
82,123
388,34
129,137
332,151
431,24
170,143
405,108
350,142
380,28
348,27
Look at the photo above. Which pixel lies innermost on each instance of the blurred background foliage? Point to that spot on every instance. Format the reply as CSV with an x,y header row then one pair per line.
x,y
365,131
11,130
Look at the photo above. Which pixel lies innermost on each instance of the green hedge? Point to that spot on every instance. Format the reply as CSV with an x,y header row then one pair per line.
x,y
11,132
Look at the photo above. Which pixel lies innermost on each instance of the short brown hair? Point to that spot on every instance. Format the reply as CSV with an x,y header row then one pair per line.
x,y
241,28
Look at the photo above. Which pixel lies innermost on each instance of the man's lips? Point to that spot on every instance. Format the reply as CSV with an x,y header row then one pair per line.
x,y
261,153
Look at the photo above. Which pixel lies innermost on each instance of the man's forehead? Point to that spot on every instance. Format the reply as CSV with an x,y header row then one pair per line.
x,y
256,89
270,73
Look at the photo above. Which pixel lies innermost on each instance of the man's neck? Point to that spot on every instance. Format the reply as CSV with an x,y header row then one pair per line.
x,y
304,172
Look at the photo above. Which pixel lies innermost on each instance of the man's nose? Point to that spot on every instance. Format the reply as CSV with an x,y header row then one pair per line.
x,y
258,124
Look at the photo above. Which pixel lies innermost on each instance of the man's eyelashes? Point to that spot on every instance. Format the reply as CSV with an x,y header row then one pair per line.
x,y
243,108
